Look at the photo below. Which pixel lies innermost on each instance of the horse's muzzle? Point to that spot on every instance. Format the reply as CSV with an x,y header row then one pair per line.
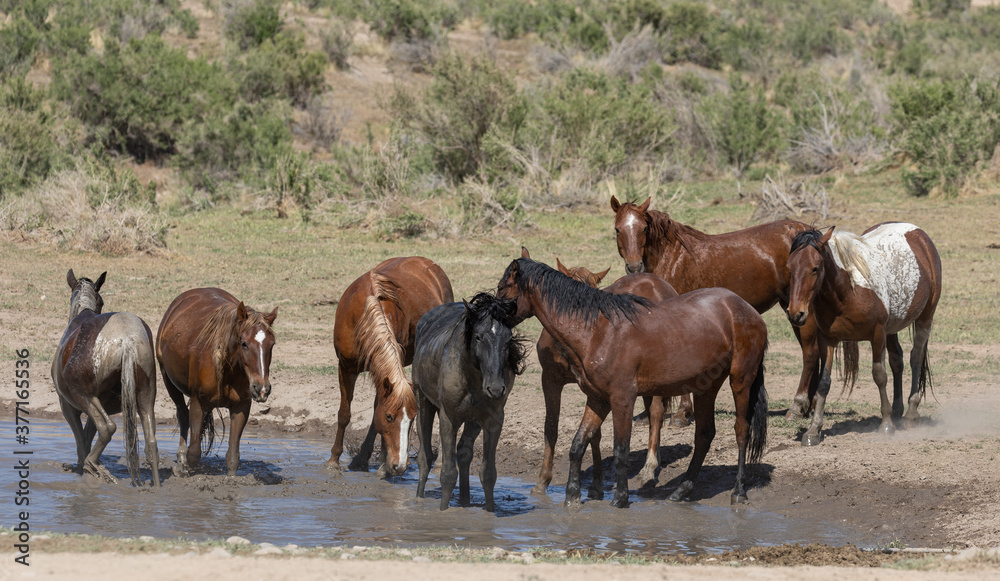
x,y
798,319
634,267
258,393
496,392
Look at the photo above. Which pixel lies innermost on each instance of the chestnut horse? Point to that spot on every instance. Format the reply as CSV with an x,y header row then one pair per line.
x,y
628,346
216,351
557,371
104,364
869,288
373,331
751,262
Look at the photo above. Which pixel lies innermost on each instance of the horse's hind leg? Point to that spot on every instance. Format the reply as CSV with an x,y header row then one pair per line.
x,y
920,371
466,445
682,417
896,366
72,416
704,433
347,376
881,380
656,412
425,430
552,387
105,430
593,416
183,422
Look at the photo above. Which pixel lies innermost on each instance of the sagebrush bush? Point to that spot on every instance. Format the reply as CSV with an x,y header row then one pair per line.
x,y
249,23
338,44
279,67
19,41
948,131
409,19
744,125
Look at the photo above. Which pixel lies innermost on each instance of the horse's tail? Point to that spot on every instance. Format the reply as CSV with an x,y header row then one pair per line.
x,y
925,380
130,408
849,370
376,341
757,415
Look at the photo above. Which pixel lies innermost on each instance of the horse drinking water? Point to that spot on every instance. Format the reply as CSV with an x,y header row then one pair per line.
x,y
216,351
558,369
373,331
465,360
868,288
628,346
104,364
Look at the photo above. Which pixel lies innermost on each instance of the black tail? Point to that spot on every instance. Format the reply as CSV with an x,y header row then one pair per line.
x,y
849,371
208,431
925,380
757,415
130,409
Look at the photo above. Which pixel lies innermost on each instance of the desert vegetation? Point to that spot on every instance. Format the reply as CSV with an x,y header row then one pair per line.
x,y
240,102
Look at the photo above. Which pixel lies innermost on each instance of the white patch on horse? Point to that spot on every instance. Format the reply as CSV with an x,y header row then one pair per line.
x,y
493,329
404,435
259,337
893,268
631,221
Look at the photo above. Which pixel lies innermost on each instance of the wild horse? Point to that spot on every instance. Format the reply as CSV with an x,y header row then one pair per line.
x,y
216,351
558,370
373,331
629,346
868,288
104,364
466,357
751,262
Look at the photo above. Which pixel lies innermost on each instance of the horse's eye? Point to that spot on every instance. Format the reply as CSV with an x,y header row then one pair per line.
x,y
617,231
815,269
244,344
388,418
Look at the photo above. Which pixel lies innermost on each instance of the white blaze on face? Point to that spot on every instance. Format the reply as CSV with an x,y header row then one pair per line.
x,y
631,221
404,436
259,337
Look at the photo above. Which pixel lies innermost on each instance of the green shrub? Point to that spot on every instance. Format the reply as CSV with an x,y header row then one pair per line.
x,y
949,131
137,98
744,125
251,22
338,44
409,19
693,34
19,41
940,8
469,104
280,67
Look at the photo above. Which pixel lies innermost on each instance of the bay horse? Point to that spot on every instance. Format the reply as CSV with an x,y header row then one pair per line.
x,y
216,351
558,370
373,331
868,288
629,346
466,356
751,262
104,365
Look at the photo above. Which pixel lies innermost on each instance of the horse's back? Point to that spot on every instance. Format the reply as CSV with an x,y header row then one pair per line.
x,y
435,339
91,353
905,271
422,283
176,337
643,284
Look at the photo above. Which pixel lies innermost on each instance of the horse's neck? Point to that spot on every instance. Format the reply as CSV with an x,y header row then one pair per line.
x,y
555,325
673,245
838,292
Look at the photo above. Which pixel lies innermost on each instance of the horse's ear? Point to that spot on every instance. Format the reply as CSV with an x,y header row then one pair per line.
x,y
71,279
465,304
524,252
241,311
615,204
100,280
645,205
826,237
562,268
600,275
271,317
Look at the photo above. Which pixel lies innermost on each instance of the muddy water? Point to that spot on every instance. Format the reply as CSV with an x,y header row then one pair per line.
x,y
284,494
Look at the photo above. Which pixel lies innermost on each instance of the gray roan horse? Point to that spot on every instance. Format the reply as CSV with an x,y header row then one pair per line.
x,y
104,365
466,356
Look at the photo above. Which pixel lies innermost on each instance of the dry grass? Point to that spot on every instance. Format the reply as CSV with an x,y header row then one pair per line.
x,y
783,199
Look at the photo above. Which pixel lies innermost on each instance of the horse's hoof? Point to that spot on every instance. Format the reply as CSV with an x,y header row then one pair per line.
x,y
620,501
887,429
681,492
812,439
540,489
490,507
101,472
793,414
738,499
678,422
595,493
911,423
358,466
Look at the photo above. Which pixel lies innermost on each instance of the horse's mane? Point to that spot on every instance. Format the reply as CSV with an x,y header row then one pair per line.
x,y
663,229
570,297
844,248
487,305
95,302
380,352
222,332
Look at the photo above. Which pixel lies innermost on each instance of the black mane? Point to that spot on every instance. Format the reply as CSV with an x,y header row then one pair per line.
x,y
570,297
806,238
485,305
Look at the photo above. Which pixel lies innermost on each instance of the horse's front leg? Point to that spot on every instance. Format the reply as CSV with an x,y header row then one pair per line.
x,y
812,369
621,414
466,446
182,420
593,416
552,387
488,471
425,429
813,435
704,433
895,352
449,472
238,420
881,379
347,376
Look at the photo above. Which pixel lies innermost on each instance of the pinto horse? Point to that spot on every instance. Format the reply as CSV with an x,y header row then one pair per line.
x,y
558,370
628,346
373,331
104,364
868,288
466,357
751,262
216,351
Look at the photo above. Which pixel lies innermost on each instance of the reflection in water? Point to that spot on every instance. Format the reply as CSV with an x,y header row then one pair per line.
x,y
285,494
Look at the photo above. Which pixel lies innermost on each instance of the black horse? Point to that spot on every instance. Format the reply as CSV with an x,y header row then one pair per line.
x,y
466,356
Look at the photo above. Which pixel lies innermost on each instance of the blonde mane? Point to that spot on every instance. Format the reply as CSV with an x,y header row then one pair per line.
x,y
847,253
222,332
380,352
